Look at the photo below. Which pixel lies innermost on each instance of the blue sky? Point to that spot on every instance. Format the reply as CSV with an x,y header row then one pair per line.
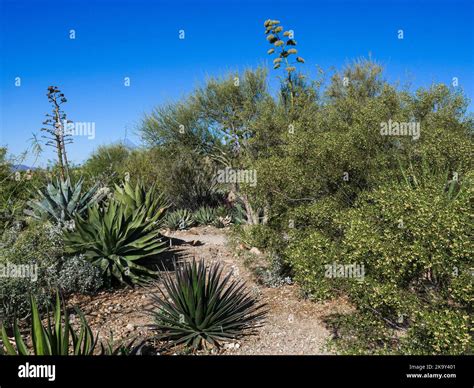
x,y
140,39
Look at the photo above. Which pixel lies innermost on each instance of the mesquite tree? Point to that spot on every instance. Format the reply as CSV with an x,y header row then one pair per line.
x,y
56,124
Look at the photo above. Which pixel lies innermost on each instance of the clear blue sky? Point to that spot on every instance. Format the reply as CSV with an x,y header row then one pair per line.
x,y
139,39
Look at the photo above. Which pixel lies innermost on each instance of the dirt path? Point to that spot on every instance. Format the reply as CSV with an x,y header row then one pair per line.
x,y
293,325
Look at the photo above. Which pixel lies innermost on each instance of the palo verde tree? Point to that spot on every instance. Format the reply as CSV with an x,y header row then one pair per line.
x,y
55,127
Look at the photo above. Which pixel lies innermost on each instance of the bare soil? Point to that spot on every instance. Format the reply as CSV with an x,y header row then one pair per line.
x,y
293,325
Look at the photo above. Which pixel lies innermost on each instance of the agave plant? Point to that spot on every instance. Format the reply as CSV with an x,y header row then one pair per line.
x,y
154,203
201,307
61,201
222,219
204,215
59,338
238,214
179,219
117,240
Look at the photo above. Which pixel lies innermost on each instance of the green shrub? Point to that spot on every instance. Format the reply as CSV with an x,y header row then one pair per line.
x,y
439,332
77,275
413,242
106,164
41,246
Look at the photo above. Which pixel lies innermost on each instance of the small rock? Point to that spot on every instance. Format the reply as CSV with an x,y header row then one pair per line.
x,y
255,251
130,327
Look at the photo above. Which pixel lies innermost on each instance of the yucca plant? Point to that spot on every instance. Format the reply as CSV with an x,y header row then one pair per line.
x,y
179,219
132,348
57,338
151,200
118,241
205,215
200,307
61,201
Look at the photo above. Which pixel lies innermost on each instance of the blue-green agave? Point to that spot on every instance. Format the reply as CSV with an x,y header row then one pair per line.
x,y
62,201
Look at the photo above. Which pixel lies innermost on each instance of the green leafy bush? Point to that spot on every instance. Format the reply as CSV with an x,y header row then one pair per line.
x,y
413,242
40,247
77,275
201,307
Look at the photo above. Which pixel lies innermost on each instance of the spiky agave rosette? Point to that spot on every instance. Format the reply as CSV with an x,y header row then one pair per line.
x,y
200,308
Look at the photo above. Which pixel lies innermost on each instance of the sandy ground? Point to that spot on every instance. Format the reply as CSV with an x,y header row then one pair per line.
x,y
293,325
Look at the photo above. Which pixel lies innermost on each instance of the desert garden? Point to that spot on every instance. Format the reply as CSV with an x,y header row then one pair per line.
x,y
332,215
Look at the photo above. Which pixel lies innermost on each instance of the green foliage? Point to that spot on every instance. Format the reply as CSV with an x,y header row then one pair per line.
x,y
179,219
260,236
118,241
106,164
61,201
201,307
40,248
204,215
444,331
413,241
153,202
59,338
15,188
78,275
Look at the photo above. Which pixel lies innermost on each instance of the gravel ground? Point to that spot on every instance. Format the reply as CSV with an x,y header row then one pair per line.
x,y
293,325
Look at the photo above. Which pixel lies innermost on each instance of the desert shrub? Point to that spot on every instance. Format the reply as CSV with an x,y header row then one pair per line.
x,y
413,242
445,331
260,236
77,275
106,164
40,245
15,189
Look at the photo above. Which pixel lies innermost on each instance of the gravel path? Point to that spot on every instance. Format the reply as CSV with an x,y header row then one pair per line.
x,y
292,326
